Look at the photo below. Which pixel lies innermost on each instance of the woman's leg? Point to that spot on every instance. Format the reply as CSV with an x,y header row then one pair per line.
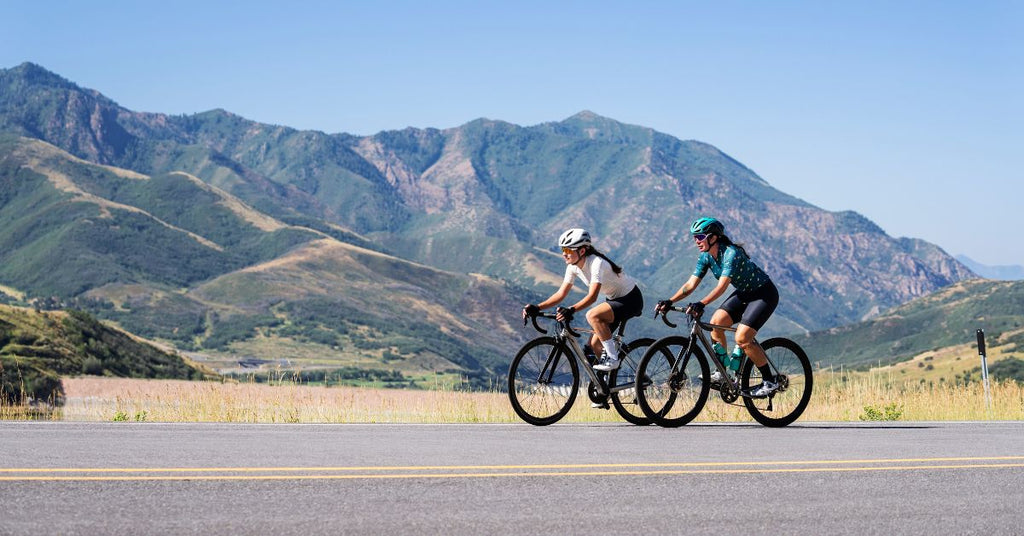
x,y
600,318
760,308
721,318
745,338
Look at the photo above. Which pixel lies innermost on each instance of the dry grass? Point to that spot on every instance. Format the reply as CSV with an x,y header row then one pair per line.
x,y
184,401
845,397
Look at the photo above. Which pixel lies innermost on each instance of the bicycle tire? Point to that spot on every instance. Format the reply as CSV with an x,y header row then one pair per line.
x,y
788,403
625,401
662,402
542,402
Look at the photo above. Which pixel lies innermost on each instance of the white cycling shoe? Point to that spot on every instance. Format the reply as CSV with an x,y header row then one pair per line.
x,y
764,390
606,364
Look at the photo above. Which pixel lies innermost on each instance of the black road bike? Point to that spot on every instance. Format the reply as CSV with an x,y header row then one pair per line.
x,y
544,377
674,378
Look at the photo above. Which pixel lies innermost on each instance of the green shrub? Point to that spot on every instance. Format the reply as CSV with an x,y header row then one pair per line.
x,y
891,412
1010,368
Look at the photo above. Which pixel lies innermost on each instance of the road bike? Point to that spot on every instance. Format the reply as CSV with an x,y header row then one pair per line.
x,y
674,378
544,377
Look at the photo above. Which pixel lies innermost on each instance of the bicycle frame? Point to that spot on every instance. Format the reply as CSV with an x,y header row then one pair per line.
x,y
570,338
700,333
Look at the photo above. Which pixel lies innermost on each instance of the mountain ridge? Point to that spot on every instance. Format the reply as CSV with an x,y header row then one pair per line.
x,y
485,197
1011,272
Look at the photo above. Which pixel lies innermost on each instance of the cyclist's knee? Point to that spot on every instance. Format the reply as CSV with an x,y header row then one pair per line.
x,y
594,317
745,336
721,318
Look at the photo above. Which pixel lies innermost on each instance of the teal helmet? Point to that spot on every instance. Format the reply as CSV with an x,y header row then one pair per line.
x,y
707,225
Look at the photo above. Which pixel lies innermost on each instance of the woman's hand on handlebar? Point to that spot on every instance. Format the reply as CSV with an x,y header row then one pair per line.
x,y
663,307
564,314
695,309
529,311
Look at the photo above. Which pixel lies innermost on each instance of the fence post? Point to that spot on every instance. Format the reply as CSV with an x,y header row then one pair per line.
x,y
984,371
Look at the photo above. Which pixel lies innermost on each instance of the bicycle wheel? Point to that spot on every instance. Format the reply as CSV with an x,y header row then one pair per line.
x,y
672,399
625,401
543,381
793,371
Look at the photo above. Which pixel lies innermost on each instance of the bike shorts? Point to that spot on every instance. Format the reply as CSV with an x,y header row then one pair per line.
x,y
754,307
626,307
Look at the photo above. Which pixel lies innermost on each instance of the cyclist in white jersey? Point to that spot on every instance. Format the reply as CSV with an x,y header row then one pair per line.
x,y
623,299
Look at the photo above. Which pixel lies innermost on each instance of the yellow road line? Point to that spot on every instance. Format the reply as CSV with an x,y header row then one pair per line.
x,y
517,474
474,471
483,467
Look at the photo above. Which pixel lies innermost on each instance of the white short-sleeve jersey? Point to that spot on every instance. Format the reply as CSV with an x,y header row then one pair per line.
x,y
597,270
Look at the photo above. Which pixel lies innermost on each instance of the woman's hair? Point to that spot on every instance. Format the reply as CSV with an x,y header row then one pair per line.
x,y
615,267
725,241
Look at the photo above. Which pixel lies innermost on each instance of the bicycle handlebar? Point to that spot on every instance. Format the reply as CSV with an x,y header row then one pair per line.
x,y
664,316
552,316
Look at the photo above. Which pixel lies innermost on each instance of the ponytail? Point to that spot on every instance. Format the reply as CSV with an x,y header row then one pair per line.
x,y
615,267
724,242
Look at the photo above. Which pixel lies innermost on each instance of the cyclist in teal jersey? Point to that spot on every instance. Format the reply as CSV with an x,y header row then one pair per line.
x,y
751,304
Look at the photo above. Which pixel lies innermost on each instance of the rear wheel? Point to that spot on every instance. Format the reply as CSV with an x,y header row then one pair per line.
x,y
625,401
672,398
543,381
793,371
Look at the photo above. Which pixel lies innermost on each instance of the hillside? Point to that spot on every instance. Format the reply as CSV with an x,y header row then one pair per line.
x,y
945,319
241,241
36,348
170,257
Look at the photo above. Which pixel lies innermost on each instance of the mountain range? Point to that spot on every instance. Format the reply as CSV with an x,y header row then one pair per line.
x,y
410,250
1008,272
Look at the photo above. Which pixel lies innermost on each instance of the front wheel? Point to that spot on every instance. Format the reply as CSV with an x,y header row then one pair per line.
x,y
625,401
793,371
543,380
672,395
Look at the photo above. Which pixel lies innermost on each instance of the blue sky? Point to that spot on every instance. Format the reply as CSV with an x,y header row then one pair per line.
x,y
911,113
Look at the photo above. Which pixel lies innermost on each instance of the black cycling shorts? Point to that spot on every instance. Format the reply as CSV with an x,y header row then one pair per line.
x,y
626,307
752,308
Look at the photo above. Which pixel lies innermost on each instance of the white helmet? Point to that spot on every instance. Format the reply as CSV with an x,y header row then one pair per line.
x,y
574,238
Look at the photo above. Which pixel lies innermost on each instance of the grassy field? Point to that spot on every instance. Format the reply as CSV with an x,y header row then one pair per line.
x,y
930,387
838,396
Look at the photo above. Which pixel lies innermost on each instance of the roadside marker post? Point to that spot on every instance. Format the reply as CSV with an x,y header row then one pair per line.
x,y
984,371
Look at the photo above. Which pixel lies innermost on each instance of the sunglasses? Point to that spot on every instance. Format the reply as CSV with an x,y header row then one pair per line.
x,y
700,237
567,251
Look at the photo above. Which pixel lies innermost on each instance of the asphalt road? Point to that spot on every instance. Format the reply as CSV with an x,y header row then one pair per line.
x,y
809,478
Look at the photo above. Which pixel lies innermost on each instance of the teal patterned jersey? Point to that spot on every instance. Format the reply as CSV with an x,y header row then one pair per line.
x,y
734,263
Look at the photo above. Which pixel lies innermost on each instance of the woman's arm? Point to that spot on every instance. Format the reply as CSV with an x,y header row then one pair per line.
x,y
557,297
686,289
591,297
723,284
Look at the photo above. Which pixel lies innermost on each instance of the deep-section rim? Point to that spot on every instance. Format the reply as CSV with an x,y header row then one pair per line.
x,y
757,407
536,361
657,360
